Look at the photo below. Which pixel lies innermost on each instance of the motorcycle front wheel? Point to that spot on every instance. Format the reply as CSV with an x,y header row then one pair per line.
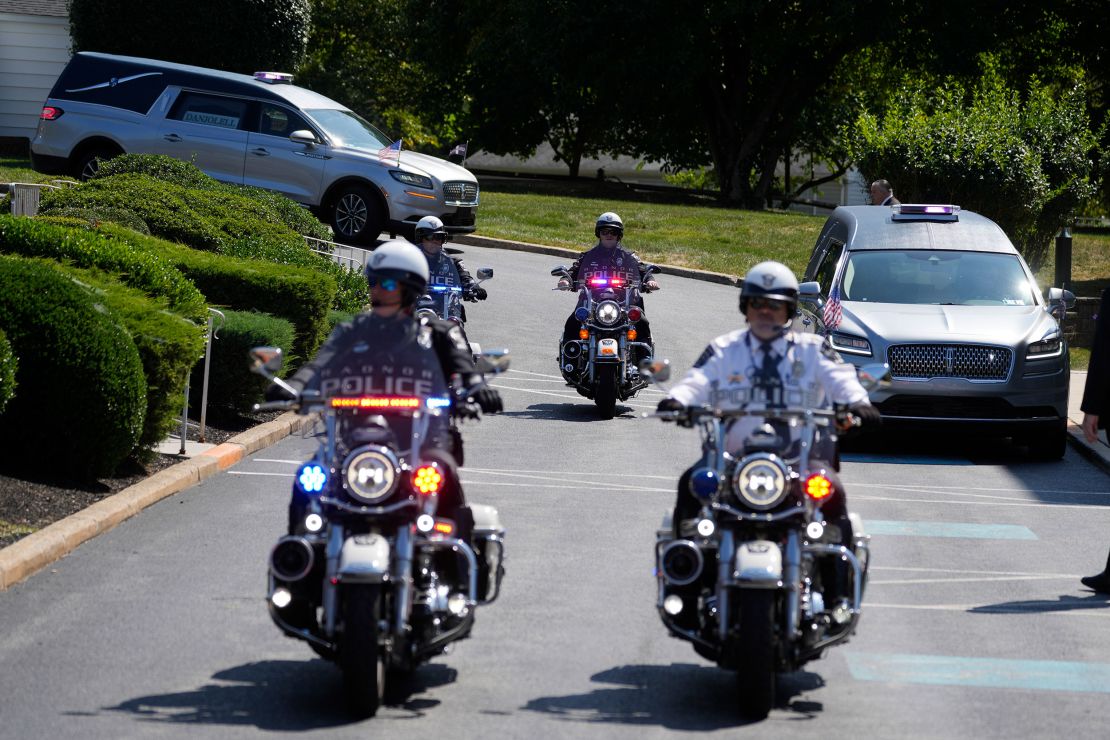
x,y
605,390
360,657
755,652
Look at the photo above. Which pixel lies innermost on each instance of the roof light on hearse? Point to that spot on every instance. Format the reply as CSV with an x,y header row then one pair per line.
x,y
274,77
924,212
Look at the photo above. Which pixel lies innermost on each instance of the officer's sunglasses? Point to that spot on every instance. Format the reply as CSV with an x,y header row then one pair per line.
x,y
761,303
385,283
436,237
609,232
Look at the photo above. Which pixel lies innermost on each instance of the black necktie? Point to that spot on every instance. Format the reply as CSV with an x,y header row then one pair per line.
x,y
769,378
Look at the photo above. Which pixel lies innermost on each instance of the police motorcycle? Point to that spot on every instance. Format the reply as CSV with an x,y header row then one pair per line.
x,y
446,301
745,580
373,578
600,364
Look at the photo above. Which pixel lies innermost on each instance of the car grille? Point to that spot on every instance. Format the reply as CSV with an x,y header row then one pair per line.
x,y
974,362
459,192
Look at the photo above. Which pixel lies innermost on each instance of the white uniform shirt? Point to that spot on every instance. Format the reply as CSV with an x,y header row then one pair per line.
x,y
726,377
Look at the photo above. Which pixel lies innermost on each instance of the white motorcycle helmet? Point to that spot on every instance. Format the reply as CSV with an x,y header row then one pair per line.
x,y
771,280
428,226
398,260
609,220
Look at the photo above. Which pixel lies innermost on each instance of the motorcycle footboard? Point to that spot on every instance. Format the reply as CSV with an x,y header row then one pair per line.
x,y
289,630
844,631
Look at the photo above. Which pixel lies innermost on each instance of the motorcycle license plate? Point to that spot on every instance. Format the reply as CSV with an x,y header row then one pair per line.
x,y
607,348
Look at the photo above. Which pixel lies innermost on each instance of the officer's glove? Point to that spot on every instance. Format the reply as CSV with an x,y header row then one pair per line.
x,y
650,285
867,413
275,392
671,405
478,293
563,285
488,399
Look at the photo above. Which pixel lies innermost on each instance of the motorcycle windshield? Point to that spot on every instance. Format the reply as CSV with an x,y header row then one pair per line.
x,y
444,300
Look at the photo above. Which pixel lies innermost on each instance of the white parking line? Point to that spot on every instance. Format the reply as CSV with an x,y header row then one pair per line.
x,y
956,502
955,490
1098,611
922,581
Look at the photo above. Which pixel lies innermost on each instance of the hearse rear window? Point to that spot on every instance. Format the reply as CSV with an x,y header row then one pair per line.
x,y
210,110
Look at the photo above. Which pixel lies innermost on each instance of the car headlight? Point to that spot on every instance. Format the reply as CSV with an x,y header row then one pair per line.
x,y
849,344
1051,347
760,481
608,313
370,474
410,178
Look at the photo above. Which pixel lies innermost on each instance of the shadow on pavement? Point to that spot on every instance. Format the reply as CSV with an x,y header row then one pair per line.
x,y
1065,603
680,696
583,410
280,695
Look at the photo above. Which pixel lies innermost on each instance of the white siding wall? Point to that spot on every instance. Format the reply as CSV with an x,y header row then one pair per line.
x,y
33,51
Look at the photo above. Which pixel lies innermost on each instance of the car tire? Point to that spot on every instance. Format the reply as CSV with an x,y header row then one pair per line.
x,y
356,215
88,164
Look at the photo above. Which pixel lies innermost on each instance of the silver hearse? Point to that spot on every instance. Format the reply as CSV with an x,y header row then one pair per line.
x,y
258,130
943,297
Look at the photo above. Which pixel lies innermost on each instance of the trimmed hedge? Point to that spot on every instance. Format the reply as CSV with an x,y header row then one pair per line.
x,y
168,345
188,175
232,387
139,268
94,216
82,393
301,295
8,365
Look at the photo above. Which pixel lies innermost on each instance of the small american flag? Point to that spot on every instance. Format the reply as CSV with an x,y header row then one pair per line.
x,y
831,313
458,151
393,150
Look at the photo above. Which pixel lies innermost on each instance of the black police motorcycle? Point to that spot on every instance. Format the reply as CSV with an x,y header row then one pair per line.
x,y
446,302
601,364
746,580
371,577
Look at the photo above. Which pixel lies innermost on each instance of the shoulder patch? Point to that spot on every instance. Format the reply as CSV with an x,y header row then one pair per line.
x,y
705,356
456,336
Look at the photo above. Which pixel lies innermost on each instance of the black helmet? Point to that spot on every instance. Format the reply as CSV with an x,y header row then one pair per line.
x,y
609,220
770,280
403,262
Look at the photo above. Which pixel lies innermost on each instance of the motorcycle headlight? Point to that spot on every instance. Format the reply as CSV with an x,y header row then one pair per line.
x,y
370,474
760,481
608,313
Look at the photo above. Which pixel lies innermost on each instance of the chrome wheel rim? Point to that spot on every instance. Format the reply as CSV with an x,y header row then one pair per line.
x,y
350,214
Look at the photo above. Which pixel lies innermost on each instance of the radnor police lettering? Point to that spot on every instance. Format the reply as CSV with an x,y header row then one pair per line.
x,y
603,262
727,376
443,271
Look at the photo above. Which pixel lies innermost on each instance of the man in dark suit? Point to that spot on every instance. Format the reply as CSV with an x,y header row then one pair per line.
x,y
1096,406
882,194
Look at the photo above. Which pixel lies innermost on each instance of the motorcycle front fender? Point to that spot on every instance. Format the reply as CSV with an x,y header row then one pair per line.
x,y
757,564
364,559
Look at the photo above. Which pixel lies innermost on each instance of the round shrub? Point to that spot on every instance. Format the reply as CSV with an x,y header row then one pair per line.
x,y
82,392
7,371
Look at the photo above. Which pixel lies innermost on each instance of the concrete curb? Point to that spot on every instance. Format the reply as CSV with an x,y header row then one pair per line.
x,y
1097,453
49,544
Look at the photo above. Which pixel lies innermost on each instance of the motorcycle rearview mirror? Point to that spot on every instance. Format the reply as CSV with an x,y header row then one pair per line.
x,y
810,293
874,375
560,270
485,273
267,361
493,361
655,371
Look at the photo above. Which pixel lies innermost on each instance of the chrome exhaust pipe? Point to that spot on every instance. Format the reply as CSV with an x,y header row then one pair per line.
x,y
292,558
681,562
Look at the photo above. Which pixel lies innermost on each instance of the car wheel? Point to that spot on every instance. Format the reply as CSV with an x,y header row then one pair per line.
x,y
356,216
88,164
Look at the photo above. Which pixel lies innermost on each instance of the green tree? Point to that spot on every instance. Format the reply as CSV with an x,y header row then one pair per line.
x,y
233,35
1023,160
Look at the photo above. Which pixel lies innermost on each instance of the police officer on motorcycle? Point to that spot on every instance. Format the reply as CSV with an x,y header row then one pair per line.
x,y
389,336
444,269
769,364
608,258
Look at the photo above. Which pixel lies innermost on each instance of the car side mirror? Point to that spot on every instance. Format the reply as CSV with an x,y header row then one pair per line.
x,y
303,136
485,273
1059,301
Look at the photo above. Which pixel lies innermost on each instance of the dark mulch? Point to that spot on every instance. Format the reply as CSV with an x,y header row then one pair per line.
x,y
30,499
